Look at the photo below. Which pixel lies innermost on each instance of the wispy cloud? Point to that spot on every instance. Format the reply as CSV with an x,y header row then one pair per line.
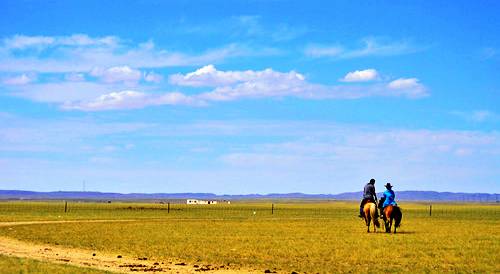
x,y
117,74
130,100
251,26
81,53
489,53
19,133
20,42
314,155
414,159
478,116
20,80
74,77
153,77
370,47
58,92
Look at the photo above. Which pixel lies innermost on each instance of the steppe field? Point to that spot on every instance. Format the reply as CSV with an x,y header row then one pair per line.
x,y
283,236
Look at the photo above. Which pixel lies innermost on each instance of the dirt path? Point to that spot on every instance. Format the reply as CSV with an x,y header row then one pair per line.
x,y
94,259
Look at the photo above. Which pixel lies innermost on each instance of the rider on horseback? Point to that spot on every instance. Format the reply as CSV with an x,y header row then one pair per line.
x,y
387,199
368,195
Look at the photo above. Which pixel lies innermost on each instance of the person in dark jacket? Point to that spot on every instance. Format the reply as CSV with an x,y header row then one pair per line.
x,y
369,194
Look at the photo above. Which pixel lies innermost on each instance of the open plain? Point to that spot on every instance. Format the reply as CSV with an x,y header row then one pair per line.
x,y
248,236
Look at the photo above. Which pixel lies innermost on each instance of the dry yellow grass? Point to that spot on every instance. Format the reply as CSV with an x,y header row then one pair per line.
x,y
302,237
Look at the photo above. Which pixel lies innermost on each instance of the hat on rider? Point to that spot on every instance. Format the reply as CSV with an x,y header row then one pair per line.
x,y
388,186
372,181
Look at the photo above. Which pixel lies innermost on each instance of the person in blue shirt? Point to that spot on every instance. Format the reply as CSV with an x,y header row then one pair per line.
x,y
388,198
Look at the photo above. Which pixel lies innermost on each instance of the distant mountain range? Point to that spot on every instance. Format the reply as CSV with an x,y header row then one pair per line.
x,y
88,195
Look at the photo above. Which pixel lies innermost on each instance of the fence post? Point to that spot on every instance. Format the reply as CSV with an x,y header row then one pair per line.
x,y
430,210
65,206
168,207
272,209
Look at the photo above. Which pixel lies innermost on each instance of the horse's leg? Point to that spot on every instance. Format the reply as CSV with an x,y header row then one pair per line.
x,y
368,224
388,217
386,222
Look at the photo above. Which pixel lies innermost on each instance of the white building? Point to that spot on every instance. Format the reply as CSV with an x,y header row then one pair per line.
x,y
203,202
200,202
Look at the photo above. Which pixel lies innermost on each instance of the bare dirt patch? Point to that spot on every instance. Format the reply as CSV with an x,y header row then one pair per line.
x,y
94,259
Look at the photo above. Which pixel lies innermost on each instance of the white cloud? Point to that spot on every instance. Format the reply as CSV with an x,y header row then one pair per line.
x,y
129,99
371,47
284,85
403,83
75,77
408,86
85,40
361,76
233,85
115,100
22,41
123,74
211,77
113,91
153,77
22,79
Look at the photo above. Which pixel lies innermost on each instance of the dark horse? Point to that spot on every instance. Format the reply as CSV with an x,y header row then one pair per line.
x,y
392,213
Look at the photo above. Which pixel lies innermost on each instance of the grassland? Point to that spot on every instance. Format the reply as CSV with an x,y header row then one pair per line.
x,y
311,237
21,266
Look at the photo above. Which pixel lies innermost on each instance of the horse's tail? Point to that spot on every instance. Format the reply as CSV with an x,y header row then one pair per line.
x,y
376,222
398,215
373,213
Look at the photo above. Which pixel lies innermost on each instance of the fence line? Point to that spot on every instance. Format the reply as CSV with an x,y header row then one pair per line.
x,y
237,210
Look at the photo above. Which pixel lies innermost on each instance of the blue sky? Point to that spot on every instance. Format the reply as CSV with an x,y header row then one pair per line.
x,y
242,97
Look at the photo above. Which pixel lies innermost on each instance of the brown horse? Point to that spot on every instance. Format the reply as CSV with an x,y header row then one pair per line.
x,y
392,213
370,210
